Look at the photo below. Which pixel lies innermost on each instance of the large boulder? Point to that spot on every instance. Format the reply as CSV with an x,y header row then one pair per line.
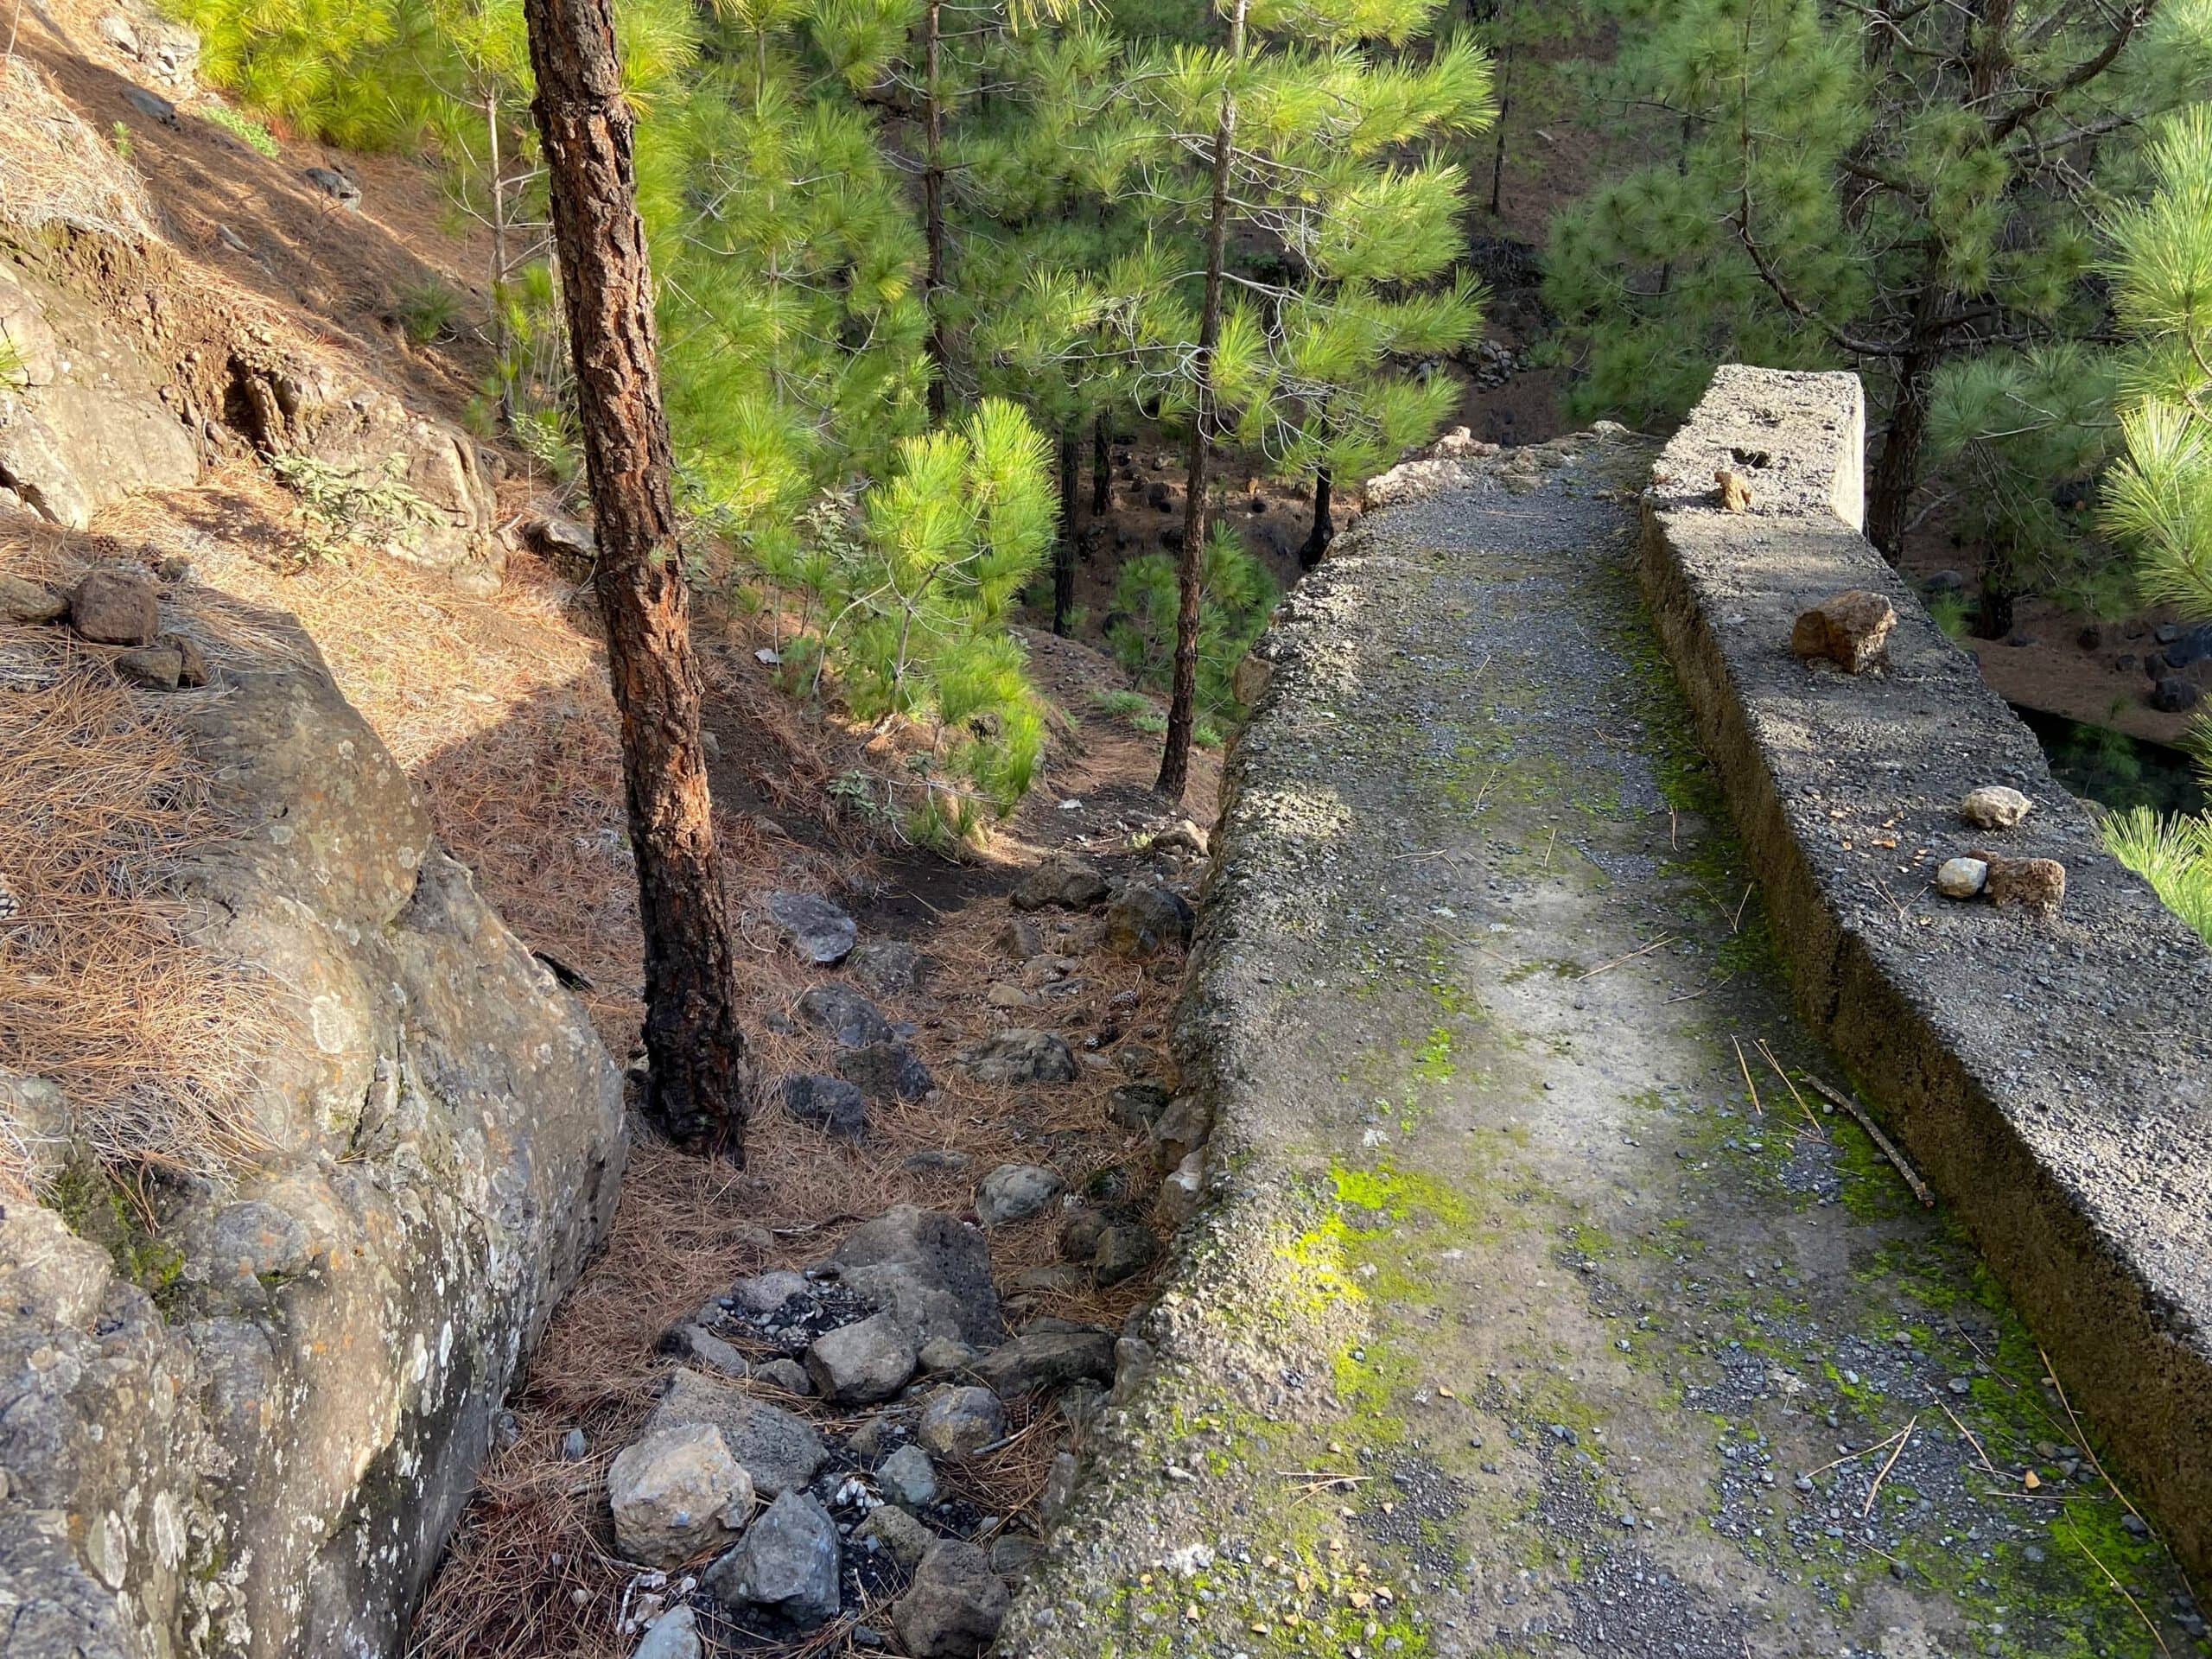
x,y
254,1435
82,420
293,406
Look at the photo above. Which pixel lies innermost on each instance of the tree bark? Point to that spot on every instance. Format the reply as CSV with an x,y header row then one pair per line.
x,y
1324,523
1182,706
933,199
1101,466
1064,548
697,1085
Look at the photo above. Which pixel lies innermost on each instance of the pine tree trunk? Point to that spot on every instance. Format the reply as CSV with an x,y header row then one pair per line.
x,y
1182,707
1895,472
500,351
1101,464
933,199
1325,523
1064,548
1498,156
697,1085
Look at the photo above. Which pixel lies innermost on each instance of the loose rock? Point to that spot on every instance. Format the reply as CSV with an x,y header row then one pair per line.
x,y
1994,807
785,1374
928,1271
156,667
820,932
1138,1105
1019,939
1080,1231
2036,884
2173,694
908,1477
705,1348
849,1018
1181,1130
1016,1191
1181,1191
955,1607
830,1105
1142,921
766,1293
886,1071
945,1354
1851,630
885,966
115,608
1022,1055
1047,1354
674,1493
24,601
779,1451
786,1565
1961,878
906,1539
1733,491
1125,1251
1062,881
957,1423
858,1364
674,1634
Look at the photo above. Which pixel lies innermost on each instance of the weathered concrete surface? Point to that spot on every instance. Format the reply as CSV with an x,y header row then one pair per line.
x,y
2053,1079
1515,1325
248,1430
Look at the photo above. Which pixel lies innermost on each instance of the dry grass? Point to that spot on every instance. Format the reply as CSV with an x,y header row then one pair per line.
x,y
153,1040
58,171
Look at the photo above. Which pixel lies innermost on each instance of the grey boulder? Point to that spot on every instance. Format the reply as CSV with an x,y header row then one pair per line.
x,y
928,1271
676,1493
886,1072
786,1567
850,1018
781,1452
955,1606
1050,1354
957,1423
908,1478
1060,881
1022,1055
820,932
859,1363
674,1634
1015,1193
830,1105
1144,920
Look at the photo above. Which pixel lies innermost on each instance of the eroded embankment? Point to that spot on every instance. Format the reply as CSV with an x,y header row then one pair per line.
x,y
1537,1311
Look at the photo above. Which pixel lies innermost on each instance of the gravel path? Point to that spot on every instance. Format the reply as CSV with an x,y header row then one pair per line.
x,y
1540,1314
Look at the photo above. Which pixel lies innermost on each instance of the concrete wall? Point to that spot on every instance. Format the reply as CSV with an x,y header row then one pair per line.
x,y
2052,1078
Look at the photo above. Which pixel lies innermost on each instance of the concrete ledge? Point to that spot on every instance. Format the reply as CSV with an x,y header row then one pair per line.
x,y
2053,1079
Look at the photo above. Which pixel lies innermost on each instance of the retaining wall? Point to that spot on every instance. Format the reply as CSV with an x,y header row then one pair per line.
x,y
2050,1077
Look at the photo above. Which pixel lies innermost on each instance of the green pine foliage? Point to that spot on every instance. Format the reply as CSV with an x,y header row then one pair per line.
x,y
1237,599
1897,188
2173,854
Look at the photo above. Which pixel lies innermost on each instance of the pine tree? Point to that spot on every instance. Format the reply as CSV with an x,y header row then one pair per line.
x,y
2158,498
1303,143
697,1083
1892,186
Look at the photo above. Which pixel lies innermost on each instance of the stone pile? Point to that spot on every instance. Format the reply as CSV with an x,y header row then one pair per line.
x,y
814,1453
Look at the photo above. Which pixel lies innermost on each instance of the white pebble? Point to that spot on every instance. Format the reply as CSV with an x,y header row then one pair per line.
x,y
1961,878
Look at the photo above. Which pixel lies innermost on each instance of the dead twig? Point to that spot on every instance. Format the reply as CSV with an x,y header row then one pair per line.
x,y
1852,1457
2082,1544
1920,1188
1903,1440
1802,1105
1757,1110
1606,967
1970,1439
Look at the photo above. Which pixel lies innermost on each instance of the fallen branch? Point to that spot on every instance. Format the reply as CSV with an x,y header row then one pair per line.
x,y
1604,967
1919,1189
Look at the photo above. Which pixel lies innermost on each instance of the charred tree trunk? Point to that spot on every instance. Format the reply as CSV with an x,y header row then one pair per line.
x,y
933,199
698,1086
1064,548
1183,703
1102,469
1325,523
